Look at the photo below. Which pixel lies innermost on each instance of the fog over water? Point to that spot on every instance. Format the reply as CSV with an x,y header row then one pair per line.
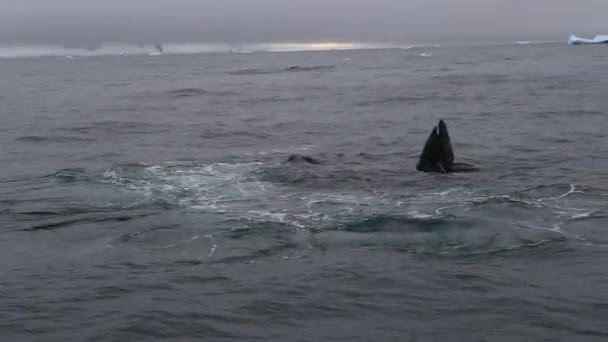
x,y
94,22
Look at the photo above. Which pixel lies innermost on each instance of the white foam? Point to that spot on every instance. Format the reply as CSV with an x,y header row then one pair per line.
x,y
283,218
111,174
583,215
153,168
439,211
213,245
207,187
554,228
274,217
214,207
570,191
446,192
418,215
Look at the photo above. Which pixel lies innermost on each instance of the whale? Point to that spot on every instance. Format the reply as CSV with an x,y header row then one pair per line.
x,y
438,155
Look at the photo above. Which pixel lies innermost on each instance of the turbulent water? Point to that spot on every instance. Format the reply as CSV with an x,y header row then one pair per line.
x,y
148,198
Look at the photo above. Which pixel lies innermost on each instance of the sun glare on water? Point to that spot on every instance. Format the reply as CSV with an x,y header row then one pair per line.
x,y
318,46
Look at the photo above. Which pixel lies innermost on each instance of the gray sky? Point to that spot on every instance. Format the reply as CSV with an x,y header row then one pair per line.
x,y
90,22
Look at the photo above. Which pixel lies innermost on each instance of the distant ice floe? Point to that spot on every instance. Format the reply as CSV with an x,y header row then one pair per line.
x,y
599,39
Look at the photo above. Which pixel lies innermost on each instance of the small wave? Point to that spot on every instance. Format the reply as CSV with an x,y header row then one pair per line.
x,y
255,72
120,127
70,175
182,93
187,92
53,139
193,92
447,192
393,100
283,151
554,192
43,178
588,227
310,68
578,113
273,99
497,199
385,223
588,216
67,222
281,217
293,68
126,237
467,79
418,215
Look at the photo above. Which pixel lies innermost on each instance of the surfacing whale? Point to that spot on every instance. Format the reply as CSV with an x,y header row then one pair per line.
x,y
438,156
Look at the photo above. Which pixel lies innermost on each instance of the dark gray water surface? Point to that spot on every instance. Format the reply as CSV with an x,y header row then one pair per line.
x,y
147,198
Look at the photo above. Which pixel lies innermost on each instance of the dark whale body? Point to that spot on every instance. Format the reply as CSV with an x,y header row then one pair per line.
x,y
438,155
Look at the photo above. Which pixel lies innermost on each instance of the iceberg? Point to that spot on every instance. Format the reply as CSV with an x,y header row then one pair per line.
x,y
599,39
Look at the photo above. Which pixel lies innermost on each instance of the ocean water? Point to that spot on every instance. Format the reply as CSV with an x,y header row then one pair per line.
x,y
147,198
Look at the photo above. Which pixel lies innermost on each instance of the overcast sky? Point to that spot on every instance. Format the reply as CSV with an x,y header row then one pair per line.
x,y
254,21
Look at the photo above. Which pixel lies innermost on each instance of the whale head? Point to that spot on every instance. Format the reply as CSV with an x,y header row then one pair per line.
x,y
437,155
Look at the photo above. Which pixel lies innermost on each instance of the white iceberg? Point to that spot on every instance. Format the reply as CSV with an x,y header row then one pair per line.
x,y
599,39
